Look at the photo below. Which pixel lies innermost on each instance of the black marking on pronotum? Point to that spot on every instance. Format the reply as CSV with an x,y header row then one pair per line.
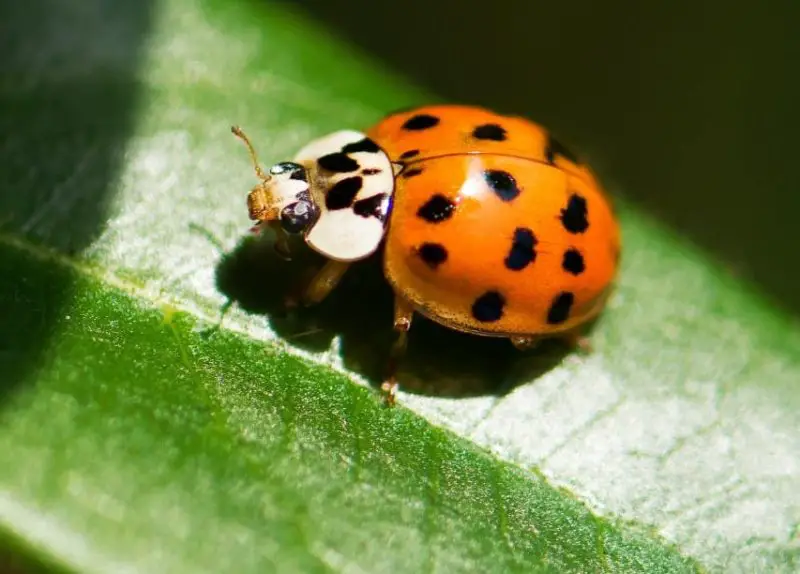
x,y
342,194
338,162
365,145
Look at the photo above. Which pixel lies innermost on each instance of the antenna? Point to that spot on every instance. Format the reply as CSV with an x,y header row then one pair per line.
x,y
237,131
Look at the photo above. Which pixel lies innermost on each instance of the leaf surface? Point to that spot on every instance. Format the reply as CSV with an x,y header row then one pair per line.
x,y
132,438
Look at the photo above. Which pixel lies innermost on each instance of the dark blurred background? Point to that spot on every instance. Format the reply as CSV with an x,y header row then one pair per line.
x,y
688,109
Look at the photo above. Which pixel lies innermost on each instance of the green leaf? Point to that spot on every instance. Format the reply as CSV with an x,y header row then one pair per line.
x,y
135,437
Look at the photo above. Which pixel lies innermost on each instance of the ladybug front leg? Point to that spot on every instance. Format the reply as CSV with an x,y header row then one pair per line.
x,y
281,237
403,314
578,341
281,241
525,343
319,286
573,340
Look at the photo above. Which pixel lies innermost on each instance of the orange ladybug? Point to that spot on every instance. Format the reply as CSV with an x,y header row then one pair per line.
x,y
488,224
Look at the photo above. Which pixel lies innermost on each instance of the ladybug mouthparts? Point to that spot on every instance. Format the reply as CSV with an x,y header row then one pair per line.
x,y
260,203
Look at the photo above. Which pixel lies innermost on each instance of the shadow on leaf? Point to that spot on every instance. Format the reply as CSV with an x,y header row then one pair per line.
x,y
67,103
440,362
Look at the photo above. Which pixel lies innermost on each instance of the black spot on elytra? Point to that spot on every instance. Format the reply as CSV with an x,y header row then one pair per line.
x,y
370,171
555,148
420,122
502,183
342,194
299,174
573,262
491,132
372,206
432,254
438,208
574,215
560,308
338,163
409,154
365,145
489,307
409,173
523,249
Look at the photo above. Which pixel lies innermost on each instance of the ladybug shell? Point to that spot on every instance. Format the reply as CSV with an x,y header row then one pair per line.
x,y
495,228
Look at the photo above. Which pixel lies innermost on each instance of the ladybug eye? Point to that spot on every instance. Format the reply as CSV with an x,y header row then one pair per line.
x,y
297,216
285,167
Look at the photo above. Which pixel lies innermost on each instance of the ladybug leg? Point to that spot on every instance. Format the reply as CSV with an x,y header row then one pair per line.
x,y
319,286
573,339
281,237
403,314
525,343
281,241
577,340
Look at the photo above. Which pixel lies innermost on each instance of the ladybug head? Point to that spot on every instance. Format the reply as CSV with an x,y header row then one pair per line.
x,y
281,195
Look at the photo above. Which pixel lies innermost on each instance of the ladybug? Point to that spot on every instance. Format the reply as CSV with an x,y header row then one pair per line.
x,y
487,224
